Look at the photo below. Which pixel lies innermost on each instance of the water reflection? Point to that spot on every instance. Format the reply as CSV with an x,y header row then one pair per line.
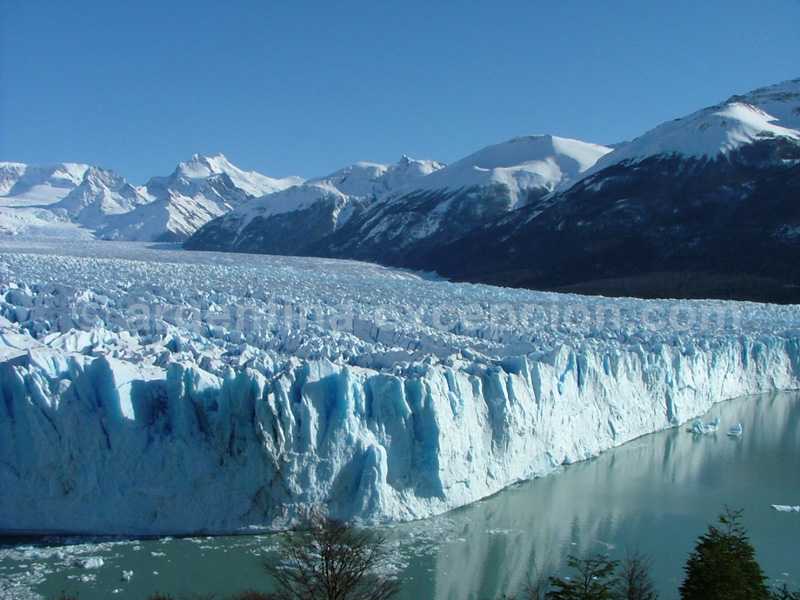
x,y
655,494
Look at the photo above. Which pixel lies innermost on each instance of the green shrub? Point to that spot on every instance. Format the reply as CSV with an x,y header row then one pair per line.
x,y
593,580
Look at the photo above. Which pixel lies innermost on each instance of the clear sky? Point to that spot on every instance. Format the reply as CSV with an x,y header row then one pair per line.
x,y
296,87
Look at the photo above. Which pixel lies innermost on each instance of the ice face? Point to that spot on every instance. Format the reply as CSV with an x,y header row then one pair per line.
x,y
170,392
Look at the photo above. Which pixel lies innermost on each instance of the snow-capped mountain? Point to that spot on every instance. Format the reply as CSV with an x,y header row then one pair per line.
x,y
391,213
197,191
705,205
402,228
368,179
28,192
102,193
781,101
252,183
540,163
672,200
717,130
25,185
76,200
294,220
173,216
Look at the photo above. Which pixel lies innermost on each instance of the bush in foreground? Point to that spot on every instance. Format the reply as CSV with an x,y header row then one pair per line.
x,y
593,580
329,560
633,581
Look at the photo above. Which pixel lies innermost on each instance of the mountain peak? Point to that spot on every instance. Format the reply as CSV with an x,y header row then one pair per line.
x,y
521,163
202,166
366,178
781,100
208,157
45,183
408,161
712,132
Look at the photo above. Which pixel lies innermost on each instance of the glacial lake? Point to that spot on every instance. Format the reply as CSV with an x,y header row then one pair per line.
x,y
655,494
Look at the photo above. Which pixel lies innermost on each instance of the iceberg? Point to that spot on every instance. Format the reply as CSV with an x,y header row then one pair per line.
x,y
785,508
736,430
166,392
93,562
700,427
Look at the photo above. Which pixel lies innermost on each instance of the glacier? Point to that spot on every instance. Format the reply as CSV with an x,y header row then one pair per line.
x,y
154,391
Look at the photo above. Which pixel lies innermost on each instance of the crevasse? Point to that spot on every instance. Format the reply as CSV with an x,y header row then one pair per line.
x,y
159,427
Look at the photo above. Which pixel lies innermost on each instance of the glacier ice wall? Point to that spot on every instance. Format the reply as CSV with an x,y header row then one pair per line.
x,y
161,428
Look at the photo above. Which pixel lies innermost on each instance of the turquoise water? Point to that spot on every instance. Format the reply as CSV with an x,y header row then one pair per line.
x,y
655,494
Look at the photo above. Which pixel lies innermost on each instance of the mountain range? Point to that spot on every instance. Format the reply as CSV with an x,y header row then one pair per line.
x,y
707,205
75,200
703,206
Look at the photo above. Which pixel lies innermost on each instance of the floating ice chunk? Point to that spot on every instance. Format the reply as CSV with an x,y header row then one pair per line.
x,y
736,430
700,428
93,562
697,427
785,508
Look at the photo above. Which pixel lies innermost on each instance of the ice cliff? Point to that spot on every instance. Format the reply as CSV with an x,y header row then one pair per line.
x,y
170,392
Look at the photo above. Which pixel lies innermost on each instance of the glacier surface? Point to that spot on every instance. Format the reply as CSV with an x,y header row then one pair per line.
x,y
147,390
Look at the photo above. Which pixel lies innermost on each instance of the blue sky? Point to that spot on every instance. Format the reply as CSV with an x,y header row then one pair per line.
x,y
295,87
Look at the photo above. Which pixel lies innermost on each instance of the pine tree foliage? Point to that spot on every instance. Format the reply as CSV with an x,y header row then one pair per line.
x,y
723,564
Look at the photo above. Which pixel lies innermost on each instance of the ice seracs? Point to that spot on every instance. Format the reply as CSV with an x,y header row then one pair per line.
x,y
261,390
